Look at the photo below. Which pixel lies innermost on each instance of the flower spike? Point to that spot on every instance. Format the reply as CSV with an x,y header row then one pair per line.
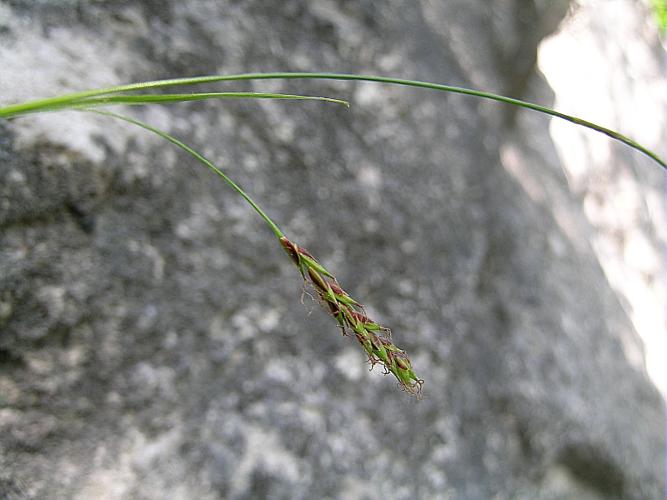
x,y
351,317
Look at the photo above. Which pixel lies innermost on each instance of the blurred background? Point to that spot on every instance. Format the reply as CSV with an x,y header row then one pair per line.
x,y
154,343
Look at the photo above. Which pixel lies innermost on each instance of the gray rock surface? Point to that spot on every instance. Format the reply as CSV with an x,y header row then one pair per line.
x,y
153,343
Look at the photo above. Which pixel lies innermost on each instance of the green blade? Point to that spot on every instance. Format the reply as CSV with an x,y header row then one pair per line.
x,y
144,99
32,106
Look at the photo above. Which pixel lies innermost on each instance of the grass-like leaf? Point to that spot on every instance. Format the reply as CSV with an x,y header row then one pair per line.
x,y
145,99
69,99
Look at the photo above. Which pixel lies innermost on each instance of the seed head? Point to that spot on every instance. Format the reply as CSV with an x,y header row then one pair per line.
x,y
351,317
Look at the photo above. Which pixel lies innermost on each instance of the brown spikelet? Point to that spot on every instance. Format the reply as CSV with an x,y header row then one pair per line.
x,y
351,317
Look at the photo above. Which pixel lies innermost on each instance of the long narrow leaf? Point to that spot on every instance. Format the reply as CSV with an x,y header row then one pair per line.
x,y
145,99
31,106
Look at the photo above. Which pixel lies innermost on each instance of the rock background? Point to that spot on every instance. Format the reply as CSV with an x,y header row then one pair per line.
x,y
153,344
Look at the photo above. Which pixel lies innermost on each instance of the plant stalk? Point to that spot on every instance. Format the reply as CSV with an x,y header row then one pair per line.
x,y
274,227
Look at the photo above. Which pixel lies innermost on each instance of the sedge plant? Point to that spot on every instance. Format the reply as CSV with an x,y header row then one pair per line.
x,y
349,314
